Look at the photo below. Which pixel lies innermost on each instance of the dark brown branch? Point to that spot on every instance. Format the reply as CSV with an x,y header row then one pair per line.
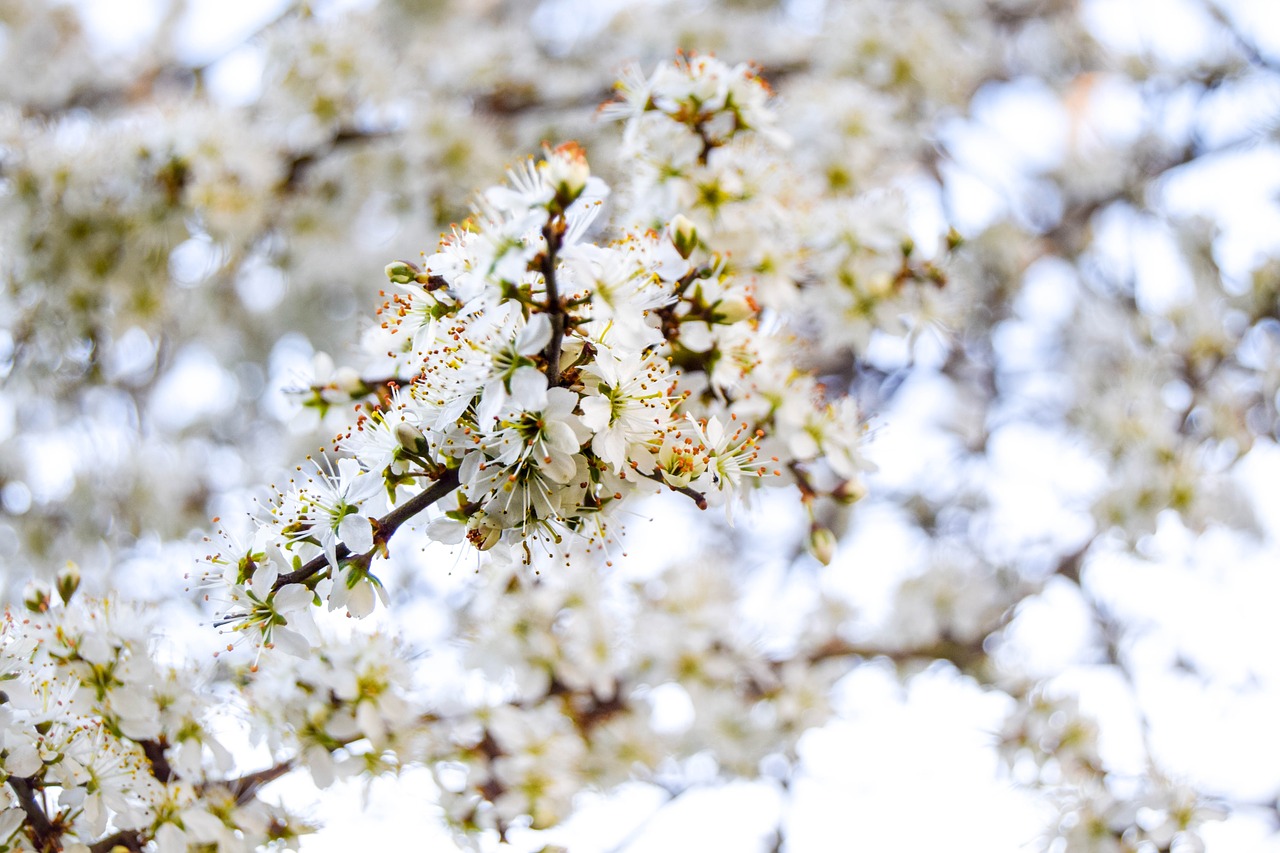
x,y
692,494
553,232
160,767
247,786
129,839
387,526
44,834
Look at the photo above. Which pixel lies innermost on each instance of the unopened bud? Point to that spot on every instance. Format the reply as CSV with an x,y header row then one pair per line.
x,y
411,438
68,582
822,544
850,491
733,309
567,171
37,597
684,234
347,380
402,272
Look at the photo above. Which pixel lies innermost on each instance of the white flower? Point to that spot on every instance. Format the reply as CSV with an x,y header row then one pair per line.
x,y
357,591
626,407
327,511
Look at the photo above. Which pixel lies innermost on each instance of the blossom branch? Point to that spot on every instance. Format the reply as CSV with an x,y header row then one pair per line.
x,y
387,526
553,232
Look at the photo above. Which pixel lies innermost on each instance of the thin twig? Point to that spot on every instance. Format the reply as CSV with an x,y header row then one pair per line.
x,y
553,231
247,786
387,526
692,494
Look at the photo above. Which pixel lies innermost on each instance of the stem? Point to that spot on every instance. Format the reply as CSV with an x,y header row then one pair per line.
x,y
692,494
160,767
129,839
44,835
247,786
553,232
387,526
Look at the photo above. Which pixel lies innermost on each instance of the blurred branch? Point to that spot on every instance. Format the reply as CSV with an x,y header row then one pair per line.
x,y
303,161
1246,45
167,72
672,795
130,839
246,787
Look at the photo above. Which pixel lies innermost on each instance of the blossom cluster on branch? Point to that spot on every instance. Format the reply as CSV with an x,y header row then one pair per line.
x,y
540,374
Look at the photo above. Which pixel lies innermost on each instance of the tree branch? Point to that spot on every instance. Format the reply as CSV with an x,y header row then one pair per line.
x,y
129,839
699,499
553,232
387,526
160,767
247,786
44,834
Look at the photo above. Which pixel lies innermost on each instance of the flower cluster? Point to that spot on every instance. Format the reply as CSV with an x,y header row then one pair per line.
x,y
543,374
103,747
1050,740
571,713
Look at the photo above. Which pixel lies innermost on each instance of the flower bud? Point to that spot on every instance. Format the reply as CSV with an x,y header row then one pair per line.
x,y
347,380
684,234
37,597
850,491
402,272
822,544
411,438
567,171
68,582
733,309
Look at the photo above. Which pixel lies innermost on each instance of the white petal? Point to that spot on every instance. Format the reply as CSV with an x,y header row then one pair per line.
x,y
370,722
492,402
94,648
695,336
23,760
357,533
529,389
596,412
10,820
293,596
560,403
446,531
362,598
170,839
560,469
535,336
559,435
290,641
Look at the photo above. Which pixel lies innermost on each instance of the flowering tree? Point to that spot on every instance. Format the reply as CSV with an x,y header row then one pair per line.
x,y
919,401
